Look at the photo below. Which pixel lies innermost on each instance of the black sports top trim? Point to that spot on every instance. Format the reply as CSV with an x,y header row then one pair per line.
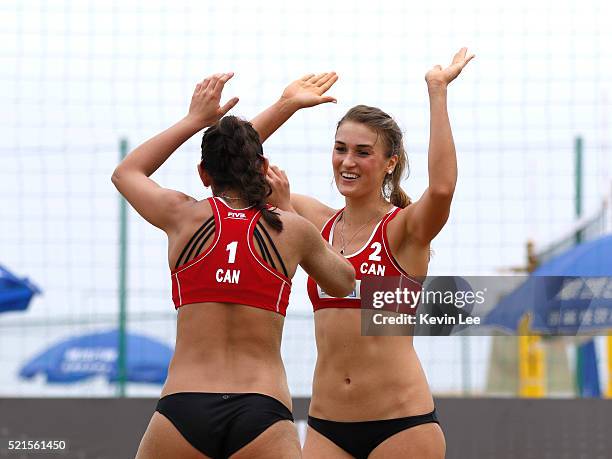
x,y
202,229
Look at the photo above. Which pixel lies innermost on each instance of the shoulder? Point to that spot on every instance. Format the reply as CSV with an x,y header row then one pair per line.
x,y
399,224
176,200
187,210
401,215
169,207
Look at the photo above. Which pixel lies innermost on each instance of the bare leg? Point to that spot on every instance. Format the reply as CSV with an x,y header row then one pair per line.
x,y
279,441
425,441
161,440
317,446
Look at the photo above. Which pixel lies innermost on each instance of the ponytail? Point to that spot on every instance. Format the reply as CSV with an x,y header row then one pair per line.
x,y
233,156
392,189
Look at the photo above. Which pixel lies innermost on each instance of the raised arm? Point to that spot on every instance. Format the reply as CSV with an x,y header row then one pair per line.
x,y
425,218
306,92
159,206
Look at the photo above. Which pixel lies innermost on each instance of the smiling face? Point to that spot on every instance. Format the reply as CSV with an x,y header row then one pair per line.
x,y
360,160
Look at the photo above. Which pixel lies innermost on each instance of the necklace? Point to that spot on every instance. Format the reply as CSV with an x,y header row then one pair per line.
x,y
344,244
229,198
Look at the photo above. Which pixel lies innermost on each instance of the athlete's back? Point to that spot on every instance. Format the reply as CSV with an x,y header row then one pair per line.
x,y
231,292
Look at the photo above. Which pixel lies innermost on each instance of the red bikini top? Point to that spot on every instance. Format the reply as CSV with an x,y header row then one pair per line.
x,y
373,259
230,270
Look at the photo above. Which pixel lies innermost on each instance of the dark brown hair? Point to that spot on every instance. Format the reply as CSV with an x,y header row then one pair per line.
x,y
386,127
233,157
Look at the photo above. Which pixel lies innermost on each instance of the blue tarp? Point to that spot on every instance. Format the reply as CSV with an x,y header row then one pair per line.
x,y
86,356
566,295
15,293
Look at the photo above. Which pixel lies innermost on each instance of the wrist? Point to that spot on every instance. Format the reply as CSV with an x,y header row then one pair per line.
x,y
286,207
193,123
436,87
287,106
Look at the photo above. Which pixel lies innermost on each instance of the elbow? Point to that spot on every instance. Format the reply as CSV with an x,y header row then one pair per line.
x,y
351,276
347,286
115,177
118,176
442,191
352,286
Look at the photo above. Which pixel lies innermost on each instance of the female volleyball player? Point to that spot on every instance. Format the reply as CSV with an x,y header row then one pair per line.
x,y
370,397
231,258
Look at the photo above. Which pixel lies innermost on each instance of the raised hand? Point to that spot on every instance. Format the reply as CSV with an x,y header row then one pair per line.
x,y
308,91
438,76
205,109
281,194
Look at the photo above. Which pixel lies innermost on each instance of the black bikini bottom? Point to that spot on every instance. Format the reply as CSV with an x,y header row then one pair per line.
x,y
218,425
360,438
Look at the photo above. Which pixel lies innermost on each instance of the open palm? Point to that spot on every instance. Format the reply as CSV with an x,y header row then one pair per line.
x,y
439,76
308,91
205,106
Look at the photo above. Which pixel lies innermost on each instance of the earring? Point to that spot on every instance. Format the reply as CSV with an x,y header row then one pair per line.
x,y
390,172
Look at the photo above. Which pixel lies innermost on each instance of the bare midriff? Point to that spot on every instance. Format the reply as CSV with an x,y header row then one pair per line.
x,y
359,378
228,348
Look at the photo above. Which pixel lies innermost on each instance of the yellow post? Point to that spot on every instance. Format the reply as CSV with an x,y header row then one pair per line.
x,y
609,391
532,371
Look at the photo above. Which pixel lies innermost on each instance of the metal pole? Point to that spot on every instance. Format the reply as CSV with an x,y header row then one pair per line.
x,y
578,183
579,377
121,358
